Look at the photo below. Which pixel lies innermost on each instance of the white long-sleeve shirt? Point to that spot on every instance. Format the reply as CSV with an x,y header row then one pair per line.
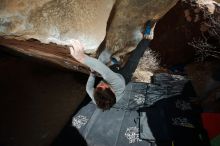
x,y
115,80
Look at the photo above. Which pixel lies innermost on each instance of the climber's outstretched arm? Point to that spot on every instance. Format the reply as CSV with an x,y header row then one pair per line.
x,y
115,80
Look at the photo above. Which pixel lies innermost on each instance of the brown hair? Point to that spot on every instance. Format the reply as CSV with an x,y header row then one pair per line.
x,y
104,98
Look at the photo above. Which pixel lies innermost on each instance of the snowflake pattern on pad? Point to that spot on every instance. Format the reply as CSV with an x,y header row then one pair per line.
x,y
132,134
139,98
79,121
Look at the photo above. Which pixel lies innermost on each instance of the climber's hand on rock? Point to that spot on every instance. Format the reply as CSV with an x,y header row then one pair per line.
x,y
77,51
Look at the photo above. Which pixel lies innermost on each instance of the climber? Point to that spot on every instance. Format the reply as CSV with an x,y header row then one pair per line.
x,y
108,91
111,89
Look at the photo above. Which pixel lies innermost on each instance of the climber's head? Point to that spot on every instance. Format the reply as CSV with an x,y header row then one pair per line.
x,y
104,96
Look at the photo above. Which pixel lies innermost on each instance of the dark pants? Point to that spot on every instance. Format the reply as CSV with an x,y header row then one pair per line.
x,y
132,63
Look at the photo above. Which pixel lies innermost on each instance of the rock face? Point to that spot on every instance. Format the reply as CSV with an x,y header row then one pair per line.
x,y
56,21
127,25
188,23
59,21
201,75
217,1
36,101
206,82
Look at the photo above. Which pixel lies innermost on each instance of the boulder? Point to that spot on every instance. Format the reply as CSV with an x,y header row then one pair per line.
x,y
185,30
56,21
37,101
60,21
205,79
128,22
